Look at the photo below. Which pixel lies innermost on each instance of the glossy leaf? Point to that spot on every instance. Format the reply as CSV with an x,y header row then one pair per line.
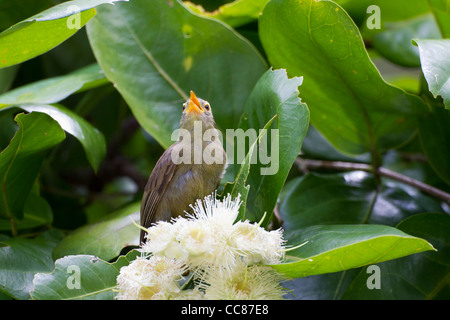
x,y
328,286
328,199
332,248
441,11
54,89
105,238
97,278
36,212
19,10
274,94
91,138
21,161
435,61
235,13
315,146
38,95
350,103
434,132
394,43
173,51
239,186
397,201
417,276
7,76
398,23
44,31
404,278
398,10
8,127
21,258
349,197
390,11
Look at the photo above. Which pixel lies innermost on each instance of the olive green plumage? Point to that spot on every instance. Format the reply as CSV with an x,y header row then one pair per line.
x,y
173,186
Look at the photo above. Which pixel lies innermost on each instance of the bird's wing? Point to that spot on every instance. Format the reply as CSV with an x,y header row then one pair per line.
x,y
156,186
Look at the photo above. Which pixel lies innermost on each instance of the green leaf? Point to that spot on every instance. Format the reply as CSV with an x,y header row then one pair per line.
x,y
315,146
54,89
36,212
399,22
350,103
327,286
332,248
105,238
349,198
44,31
435,60
173,51
8,127
394,43
235,13
91,138
317,199
97,278
239,185
21,161
18,10
37,97
7,76
434,132
397,201
396,10
441,11
422,276
274,94
21,258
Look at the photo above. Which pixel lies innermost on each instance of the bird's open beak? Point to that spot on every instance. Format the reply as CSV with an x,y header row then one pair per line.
x,y
194,105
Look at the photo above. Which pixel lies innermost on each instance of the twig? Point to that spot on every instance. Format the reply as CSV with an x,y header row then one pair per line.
x,y
438,193
310,164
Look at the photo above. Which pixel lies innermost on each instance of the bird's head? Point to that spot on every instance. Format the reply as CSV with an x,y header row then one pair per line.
x,y
196,109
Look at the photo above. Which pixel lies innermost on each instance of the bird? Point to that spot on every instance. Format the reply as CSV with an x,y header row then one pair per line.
x,y
174,185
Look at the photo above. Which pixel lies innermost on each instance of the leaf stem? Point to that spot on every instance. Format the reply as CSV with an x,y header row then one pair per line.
x,y
311,164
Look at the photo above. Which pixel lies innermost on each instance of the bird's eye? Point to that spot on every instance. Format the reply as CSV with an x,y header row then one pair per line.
x,y
184,106
207,107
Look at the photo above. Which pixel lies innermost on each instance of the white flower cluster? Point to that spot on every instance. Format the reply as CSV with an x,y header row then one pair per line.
x,y
224,259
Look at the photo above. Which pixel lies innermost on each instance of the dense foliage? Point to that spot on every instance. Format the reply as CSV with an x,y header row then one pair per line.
x,y
358,90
